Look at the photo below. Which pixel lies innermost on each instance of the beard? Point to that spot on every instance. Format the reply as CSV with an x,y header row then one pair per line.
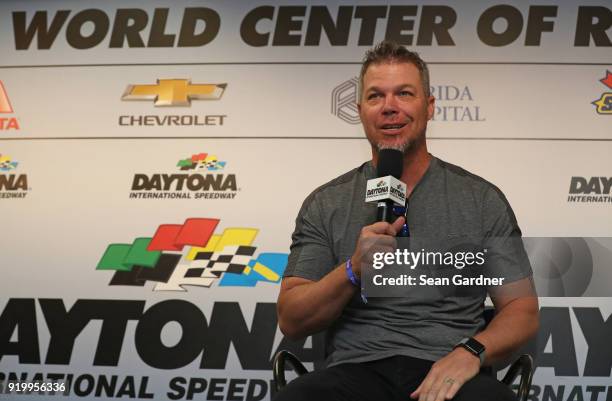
x,y
406,146
403,147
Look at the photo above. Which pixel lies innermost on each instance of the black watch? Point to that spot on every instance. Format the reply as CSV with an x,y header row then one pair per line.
x,y
473,346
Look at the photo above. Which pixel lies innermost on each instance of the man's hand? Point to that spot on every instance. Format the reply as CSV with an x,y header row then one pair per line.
x,y
447,375
306,307
377,237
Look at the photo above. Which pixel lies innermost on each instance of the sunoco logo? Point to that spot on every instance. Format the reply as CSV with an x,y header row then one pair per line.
x,y
173,93
12,185
203,178
344,101
6,123
191,253
590,190
603,105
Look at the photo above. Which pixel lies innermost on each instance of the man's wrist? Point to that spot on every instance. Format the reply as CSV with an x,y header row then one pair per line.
x,y
474,347
355,281
350,273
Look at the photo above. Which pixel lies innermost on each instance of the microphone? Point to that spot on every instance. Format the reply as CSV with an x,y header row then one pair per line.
x,y
387,189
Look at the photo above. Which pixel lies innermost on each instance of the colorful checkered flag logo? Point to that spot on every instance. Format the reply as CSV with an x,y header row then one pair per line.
x,y
201,161
6,164
227,258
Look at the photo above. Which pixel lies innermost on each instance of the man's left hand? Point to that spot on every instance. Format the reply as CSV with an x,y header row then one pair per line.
x,y
447,375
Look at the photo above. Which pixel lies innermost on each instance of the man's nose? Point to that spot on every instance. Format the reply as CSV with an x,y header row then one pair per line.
x,y
390,105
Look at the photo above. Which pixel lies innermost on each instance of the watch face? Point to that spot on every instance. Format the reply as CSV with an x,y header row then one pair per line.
x,y
474,346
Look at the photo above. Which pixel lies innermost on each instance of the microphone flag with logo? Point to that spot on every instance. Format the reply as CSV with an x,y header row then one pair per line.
x,y
387,189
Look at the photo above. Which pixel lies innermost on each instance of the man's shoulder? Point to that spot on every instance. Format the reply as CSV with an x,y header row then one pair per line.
x,y
337,192
340,184
469,188
469,179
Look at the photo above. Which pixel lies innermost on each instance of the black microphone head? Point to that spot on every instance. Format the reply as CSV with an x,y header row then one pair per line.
x,y
390,162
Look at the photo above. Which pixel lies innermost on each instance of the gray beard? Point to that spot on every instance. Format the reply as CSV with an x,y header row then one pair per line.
x,y
402,147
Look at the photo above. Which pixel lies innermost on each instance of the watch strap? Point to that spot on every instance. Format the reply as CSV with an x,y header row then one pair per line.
x,y
474,347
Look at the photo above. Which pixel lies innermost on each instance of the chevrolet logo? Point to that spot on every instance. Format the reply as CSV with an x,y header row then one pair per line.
x,y
174,92
5,105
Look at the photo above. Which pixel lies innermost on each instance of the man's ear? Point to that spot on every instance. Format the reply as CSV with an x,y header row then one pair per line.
x,y
431,107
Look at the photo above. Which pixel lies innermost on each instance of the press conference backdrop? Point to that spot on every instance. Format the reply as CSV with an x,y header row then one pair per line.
x,y
154,155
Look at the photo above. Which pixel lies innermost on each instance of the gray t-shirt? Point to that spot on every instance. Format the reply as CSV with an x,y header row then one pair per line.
x,y
447,202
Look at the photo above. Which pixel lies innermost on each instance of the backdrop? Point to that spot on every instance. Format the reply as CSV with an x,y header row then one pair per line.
x,y
154,155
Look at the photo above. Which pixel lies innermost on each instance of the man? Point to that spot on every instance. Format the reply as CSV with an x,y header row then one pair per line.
x,y
394,348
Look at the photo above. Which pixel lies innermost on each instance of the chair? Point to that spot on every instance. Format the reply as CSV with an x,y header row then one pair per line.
x,y
523,366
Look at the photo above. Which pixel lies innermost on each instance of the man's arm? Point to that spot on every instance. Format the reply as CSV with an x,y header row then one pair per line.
x,y
516,321
305,307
